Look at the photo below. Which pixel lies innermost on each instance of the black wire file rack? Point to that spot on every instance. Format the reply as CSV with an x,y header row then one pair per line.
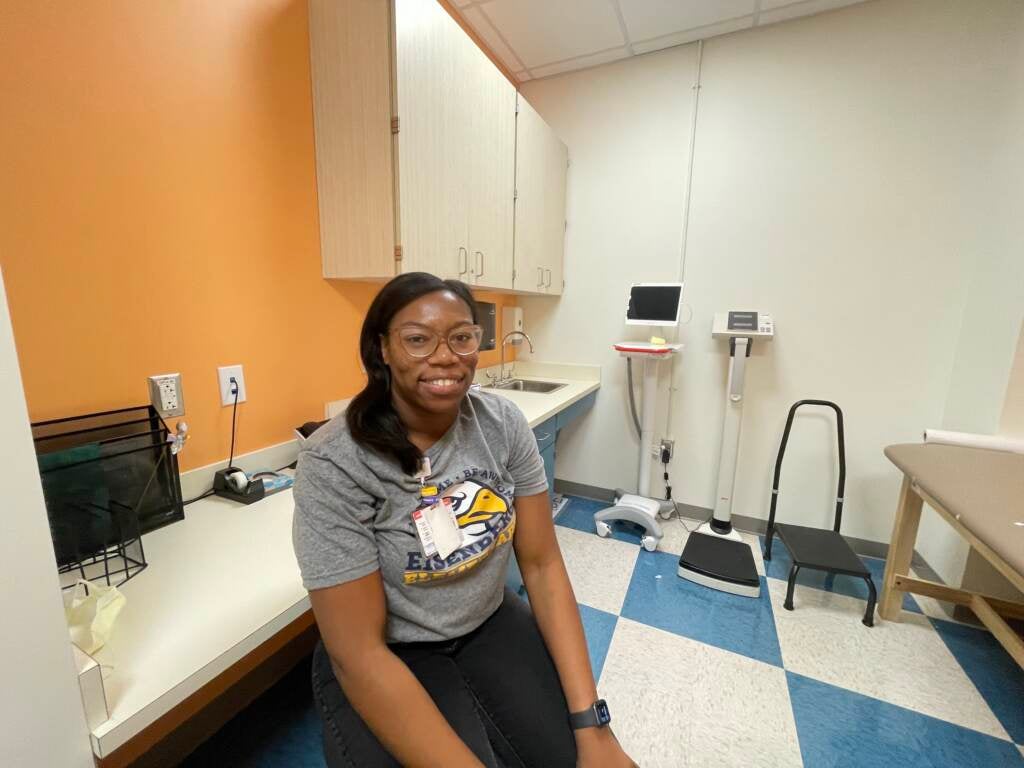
x,y
107,479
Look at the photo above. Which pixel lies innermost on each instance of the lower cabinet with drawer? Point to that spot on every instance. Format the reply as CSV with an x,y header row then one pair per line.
x,y
546,434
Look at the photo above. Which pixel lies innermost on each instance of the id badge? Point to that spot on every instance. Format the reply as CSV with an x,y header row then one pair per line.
x,y
425,532
437,529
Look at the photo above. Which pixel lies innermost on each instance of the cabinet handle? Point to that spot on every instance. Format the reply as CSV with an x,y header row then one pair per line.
x,y
540,277
463,260
548,283
480,271
542,437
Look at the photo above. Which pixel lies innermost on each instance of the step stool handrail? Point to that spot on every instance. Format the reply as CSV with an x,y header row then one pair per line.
x,y
782,450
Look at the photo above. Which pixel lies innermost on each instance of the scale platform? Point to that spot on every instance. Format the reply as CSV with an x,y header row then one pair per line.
x,y
720,563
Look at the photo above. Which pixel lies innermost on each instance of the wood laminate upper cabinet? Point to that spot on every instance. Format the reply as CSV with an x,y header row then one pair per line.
x,y
434,131
490,174
350,58
541,164
415,144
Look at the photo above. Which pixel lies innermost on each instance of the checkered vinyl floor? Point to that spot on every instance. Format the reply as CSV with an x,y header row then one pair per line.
x,y
697,677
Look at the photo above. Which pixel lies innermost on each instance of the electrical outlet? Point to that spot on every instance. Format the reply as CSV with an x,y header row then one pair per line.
x,y
165,394
669,445
224,375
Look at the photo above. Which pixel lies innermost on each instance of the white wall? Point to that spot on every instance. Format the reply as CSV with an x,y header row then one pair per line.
x,y
981,389
839,182
627,129
1012,422
41,719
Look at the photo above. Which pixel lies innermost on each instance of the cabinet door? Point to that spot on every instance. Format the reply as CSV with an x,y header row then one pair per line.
x,y
433,134
350,60
541,165
491,100
548,456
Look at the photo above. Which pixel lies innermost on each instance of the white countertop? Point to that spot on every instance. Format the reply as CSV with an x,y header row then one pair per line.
x,y
224,580
218,584
580,381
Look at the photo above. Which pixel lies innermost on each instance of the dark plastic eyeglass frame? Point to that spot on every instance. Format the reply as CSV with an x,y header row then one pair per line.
x,y
478,332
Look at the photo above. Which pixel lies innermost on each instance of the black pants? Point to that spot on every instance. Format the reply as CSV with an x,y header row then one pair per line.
x,y
497,687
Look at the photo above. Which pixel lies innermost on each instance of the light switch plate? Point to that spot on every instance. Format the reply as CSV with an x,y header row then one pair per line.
x,y
165,394
224,374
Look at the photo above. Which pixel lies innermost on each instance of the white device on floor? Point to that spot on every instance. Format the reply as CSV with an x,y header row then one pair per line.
x,y
649,304
715,555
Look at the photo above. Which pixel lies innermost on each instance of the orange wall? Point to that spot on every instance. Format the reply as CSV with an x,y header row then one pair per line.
x,y
158,213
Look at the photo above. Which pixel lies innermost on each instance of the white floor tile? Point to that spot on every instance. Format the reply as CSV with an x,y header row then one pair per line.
x,y
905,663
675,535
675,539
677,702
599,569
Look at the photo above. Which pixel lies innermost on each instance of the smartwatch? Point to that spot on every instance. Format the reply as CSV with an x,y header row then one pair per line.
x,y
597,716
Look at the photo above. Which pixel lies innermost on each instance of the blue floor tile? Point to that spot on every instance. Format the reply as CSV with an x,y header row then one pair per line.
x,y
598,627
992,670
579,514
659,598
778,568
841,729
280,728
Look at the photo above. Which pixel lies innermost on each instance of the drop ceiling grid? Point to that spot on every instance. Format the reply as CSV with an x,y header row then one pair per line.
x,y
537,38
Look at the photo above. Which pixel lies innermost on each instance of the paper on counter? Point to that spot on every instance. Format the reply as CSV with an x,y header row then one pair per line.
x,y
989,442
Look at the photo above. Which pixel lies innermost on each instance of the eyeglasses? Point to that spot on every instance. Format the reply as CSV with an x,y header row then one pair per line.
x,y
420,342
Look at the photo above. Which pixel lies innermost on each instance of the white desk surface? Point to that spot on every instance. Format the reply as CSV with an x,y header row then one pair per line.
x,y
218,584
223,581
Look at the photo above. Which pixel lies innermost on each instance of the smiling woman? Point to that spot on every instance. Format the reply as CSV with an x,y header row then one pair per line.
x,y
404,516
413,389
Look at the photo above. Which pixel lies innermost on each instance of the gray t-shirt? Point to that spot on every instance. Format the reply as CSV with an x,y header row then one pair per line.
x,y
353,516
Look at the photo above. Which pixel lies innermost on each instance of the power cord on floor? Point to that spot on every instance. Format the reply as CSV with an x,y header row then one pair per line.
x,y
665,457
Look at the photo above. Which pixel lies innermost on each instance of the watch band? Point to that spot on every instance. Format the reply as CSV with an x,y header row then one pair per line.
x,y
596,716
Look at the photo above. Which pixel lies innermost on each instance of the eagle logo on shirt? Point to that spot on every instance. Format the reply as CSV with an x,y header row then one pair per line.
x,y
486,521
476,508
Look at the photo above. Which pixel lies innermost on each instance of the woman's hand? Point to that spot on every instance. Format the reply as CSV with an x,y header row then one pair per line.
x,y
598,748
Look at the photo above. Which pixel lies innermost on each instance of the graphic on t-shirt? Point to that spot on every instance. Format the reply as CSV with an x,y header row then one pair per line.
x,y
486,521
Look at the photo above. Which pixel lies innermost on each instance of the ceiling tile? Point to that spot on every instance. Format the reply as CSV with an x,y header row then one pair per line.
x,y
647,19
547,31
806,8
483,28
690,35
581,63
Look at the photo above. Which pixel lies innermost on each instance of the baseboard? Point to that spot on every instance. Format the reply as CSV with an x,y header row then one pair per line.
x,y
756,525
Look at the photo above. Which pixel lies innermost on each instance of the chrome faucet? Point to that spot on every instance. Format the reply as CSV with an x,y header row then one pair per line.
x,y
501,368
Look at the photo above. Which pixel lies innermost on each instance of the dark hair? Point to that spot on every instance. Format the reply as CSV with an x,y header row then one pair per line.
x,y
372,419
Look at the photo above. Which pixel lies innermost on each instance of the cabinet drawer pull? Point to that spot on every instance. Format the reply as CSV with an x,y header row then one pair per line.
x,y
548,283
543,437
463,260
480,271
540,277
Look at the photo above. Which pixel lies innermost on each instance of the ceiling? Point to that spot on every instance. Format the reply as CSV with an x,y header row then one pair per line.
x,y
538,38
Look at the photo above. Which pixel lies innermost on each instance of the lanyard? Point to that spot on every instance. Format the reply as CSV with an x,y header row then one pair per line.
x,y
423,471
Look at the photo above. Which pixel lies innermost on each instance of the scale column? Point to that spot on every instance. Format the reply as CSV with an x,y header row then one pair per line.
x,y
739,351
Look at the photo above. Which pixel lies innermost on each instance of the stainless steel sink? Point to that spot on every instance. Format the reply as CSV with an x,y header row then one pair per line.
x,y
526,385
